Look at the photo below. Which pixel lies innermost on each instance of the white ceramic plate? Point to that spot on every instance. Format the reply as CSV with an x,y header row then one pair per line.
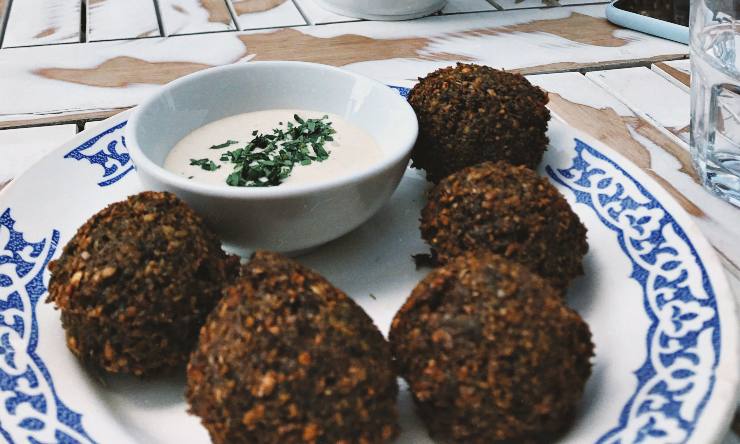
x,y
663,319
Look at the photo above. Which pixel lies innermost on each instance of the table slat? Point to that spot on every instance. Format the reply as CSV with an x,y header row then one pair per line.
x,y
72,79
650,96
317,15
193,16
260,14
121,19
586,106
677,72
40,22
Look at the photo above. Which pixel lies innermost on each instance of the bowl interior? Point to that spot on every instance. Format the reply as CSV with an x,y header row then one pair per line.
x,y
213,94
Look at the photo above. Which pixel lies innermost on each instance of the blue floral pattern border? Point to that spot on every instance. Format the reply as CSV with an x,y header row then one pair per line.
x,y
404,92
683,341
31,411
108,151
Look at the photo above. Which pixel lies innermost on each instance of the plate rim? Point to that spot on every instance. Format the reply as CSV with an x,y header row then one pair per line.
x,y
723,295
708,428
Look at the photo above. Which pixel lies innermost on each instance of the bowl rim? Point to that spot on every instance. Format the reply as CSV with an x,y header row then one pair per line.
x,y
142,161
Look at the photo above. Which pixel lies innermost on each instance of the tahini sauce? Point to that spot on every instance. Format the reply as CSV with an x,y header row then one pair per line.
x,y
353,148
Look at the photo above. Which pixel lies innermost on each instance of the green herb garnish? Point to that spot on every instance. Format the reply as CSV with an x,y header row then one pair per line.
x,y
205,164
226,144
268,159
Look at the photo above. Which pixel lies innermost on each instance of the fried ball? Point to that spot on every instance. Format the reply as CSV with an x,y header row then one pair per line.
x,y
491,353
287,358
508,210
470,114
136,282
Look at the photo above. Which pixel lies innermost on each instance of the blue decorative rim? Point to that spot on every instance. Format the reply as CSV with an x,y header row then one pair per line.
x,y
103,150
32,409
674,383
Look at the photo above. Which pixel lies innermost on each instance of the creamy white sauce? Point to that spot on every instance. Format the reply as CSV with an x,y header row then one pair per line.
x,y
353,148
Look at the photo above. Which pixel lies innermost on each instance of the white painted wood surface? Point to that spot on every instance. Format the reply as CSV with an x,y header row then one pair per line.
x,y
589,107
41,22
194,16
676,72
650,96
20,148
316,15
576,88
121,19
94,76
261,14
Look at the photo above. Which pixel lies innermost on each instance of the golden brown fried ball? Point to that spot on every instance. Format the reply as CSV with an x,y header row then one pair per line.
x,y
470,114
136,283
287,358
491,353
510,211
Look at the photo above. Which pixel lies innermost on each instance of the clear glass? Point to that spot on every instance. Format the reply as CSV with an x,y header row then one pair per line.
x,y
715,95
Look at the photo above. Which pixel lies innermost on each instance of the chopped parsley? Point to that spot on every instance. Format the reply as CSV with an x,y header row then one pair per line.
x,y
268,159
226,144
205,164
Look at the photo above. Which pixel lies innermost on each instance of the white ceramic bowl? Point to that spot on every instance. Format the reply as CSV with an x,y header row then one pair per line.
x,y
283,218
383,9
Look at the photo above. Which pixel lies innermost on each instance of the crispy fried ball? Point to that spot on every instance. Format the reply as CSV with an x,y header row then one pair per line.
x,y
491,353
287,358
136,283
508,210
470,113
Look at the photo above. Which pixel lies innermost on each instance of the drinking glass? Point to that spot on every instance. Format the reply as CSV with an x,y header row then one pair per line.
x,y
715,95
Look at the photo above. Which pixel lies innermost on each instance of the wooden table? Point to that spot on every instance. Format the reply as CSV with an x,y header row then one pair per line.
x,y
67,63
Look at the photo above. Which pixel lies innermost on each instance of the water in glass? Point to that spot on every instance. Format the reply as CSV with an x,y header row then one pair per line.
x,y
715,99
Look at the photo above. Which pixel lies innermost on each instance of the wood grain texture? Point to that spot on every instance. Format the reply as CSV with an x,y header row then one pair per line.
x,y
121,19
342,50
259,14
61,118
192,16
580,28
616,131
217,11
640,89
317,15
70,79
252,6
123,71
40,22
595,111
677,72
